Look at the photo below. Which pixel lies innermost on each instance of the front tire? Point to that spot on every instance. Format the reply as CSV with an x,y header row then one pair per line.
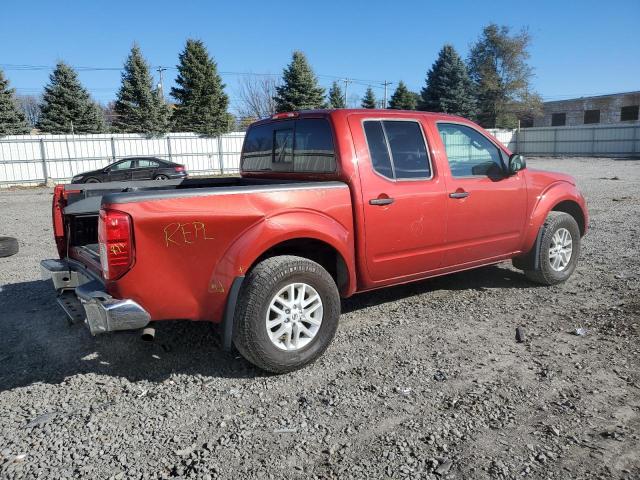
x,y
287,313
558,250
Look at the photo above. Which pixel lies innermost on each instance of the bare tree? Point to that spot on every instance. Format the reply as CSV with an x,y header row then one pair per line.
x,y
256,96
30,106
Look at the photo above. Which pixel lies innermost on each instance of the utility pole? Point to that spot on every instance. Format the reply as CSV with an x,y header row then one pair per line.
x,y
346,86
386,84
161,84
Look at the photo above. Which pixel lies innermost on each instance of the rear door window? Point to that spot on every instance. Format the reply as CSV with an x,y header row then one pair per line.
x,y
397,149
304,145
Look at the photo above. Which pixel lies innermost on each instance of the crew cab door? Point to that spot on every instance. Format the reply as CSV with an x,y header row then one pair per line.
x,y
486,207
403,198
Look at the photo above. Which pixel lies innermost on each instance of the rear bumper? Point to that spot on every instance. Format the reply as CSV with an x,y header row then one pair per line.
x,y
102,312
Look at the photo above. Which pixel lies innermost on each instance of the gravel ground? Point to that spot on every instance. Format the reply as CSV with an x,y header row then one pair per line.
x,y
422,381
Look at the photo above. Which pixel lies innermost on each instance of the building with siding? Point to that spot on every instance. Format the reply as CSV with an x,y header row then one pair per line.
x,y
601,109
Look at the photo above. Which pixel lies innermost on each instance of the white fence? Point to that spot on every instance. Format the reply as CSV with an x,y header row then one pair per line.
x,y
588,140
32,159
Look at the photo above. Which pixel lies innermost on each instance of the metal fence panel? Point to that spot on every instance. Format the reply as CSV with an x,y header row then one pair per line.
x,y
32,159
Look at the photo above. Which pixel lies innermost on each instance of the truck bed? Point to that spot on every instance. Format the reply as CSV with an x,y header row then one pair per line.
x,y
83,203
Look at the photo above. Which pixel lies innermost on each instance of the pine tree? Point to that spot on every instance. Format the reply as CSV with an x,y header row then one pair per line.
x,y
139,107
299,89
67,106
448,86
336,97
201,102
402,98
369,100
12,121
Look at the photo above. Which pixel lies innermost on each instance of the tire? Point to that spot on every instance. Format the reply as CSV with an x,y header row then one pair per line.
x,y
269,280
8,246
553,268
92,180
161,177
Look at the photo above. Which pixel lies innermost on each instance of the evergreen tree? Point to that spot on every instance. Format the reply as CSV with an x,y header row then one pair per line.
x,y
139,107
12,121
67,106
336,97
369,100
201,104
501,77
448,86
402,98
299,89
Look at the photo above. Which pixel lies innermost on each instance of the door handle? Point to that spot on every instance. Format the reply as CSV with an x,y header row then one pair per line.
x,y
459,195
381,201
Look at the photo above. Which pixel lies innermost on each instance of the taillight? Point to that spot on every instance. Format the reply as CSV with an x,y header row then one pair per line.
x,y
179,168
58,220
115,235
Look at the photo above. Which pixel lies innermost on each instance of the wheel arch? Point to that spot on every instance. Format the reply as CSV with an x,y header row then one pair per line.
x,y
559,197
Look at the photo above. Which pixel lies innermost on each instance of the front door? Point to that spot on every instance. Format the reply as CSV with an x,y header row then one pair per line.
x,y
486,207
121,171
404,199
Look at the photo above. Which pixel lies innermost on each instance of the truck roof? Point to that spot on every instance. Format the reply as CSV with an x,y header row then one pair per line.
x,y
344,112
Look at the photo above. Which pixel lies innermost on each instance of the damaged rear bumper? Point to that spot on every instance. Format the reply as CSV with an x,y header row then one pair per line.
x,y
102,312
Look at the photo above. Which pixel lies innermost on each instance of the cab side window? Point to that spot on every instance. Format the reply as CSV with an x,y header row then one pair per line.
x,y
397,149
123,165
470,154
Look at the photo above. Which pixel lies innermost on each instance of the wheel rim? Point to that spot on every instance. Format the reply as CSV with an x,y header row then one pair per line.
x,y
294,316
162,177
560,249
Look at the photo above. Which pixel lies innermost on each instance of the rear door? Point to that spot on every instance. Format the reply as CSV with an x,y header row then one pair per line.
x,y
486,207
144,169
404,198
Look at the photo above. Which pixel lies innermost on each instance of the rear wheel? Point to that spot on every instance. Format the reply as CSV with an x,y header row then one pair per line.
x,y
287,313
161,177
559,248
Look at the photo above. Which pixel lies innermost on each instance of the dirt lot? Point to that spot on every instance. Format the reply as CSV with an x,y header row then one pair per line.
x,y
422,381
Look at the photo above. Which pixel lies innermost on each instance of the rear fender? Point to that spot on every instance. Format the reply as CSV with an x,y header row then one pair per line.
x,y
260,237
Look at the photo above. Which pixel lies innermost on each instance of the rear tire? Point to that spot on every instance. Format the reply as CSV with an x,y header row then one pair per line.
x,y
161,177
558,250
8,246
281,298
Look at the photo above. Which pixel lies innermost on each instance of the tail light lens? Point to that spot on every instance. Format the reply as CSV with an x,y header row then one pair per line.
x,y
179,168
115,236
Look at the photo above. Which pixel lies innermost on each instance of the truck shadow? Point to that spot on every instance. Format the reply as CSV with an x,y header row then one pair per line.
x,y
37,343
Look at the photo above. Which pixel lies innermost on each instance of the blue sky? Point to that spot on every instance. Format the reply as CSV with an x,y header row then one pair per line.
x,y
578,48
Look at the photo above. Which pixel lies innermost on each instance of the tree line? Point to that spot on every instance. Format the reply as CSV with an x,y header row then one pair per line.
x,y
492,86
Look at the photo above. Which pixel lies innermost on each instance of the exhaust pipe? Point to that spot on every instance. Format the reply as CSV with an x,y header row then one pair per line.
x,y
148,334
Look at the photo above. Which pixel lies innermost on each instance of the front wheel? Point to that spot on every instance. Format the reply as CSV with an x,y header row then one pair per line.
x,y
559,248
287,313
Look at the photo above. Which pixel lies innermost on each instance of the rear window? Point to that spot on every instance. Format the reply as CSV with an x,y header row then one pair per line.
x,y
397,149
304,145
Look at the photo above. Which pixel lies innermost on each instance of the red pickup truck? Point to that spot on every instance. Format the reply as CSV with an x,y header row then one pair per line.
x,y
329,203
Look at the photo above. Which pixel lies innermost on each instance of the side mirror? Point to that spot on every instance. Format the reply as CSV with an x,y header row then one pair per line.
x,y
516,163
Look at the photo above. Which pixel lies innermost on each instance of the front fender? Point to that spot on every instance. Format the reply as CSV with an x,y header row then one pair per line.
x,y
546,201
